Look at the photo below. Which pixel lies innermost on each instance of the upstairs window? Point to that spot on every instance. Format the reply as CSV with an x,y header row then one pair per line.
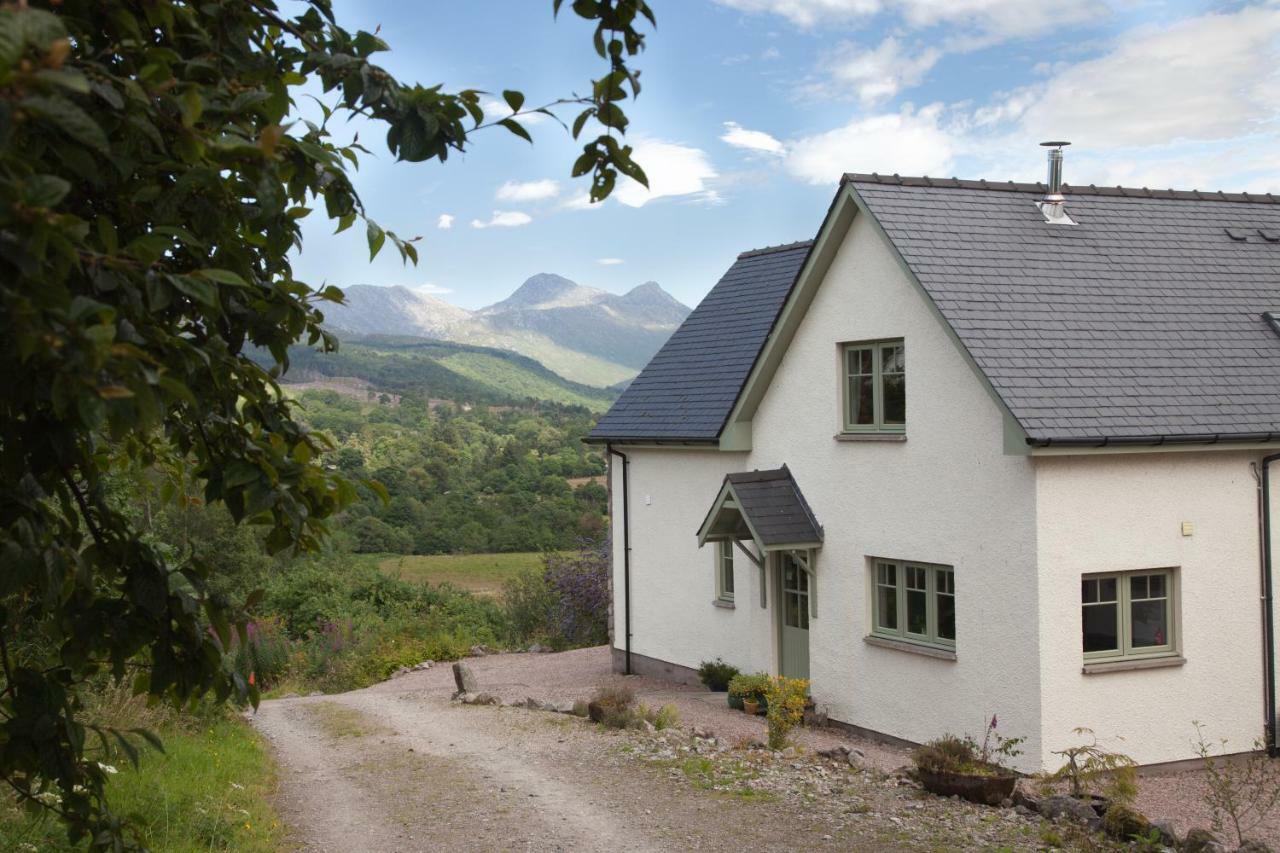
x,y
875,387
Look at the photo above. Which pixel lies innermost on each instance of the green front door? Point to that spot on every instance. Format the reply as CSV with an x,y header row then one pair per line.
x,y
794,634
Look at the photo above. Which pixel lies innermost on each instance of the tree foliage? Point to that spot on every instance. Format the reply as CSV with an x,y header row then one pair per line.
x,y
152,185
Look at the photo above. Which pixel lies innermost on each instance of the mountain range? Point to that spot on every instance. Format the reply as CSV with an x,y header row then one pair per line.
x,y
584,334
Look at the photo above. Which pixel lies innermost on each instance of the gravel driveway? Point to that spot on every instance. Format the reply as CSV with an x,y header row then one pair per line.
x,y
399,767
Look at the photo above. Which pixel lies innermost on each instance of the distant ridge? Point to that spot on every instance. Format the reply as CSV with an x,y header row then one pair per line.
x,y
584,334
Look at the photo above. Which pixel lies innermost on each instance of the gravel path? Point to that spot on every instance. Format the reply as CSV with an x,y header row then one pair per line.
x,y
399,767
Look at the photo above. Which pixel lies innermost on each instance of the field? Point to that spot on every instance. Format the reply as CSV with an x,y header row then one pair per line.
x,y
482,574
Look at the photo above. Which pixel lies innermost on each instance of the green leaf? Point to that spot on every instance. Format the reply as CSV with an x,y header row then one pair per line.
x,y
198,289
45,190
514,99
376,237
223,277
68,118
516,128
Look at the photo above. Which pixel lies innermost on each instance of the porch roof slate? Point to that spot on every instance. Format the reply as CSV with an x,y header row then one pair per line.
x,y
775,507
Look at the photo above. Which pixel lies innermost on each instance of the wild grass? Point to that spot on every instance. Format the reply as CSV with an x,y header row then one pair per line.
x,y
210,790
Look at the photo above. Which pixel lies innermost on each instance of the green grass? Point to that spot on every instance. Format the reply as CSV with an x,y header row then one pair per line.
x,y
482,574
210,790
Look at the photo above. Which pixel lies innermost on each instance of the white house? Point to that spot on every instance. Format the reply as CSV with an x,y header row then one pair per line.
x,y
974,449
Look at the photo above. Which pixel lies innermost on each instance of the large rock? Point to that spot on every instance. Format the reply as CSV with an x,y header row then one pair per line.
x,y
465,679
1201,840
1168,832
1069,808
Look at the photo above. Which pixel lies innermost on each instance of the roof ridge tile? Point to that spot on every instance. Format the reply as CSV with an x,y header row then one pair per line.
x,y
1068,189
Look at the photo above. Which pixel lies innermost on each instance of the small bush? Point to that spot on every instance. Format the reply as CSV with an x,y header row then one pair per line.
x,y
753,686
787,699
716,674
666,717
1242,792
947,754
1090,768
617,707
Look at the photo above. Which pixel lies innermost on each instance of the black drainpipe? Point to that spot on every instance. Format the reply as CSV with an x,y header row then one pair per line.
x,y
626,548
1268,604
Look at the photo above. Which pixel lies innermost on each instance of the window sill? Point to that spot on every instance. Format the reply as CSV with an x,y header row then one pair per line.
x,y
1099,667
720,602
870,436
905,646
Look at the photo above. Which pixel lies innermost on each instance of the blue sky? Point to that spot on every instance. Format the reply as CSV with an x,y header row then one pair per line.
x,y
751,109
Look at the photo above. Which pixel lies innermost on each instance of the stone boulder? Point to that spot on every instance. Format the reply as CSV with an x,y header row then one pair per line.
x,y
1201,840
1069,808
1253,847
1168,833
465,679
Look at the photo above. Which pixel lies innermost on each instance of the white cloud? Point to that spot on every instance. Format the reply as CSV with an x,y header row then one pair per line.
x,y
495,109
581,201
503,219
908,142
672,170
1194,104
431,288
991,17
610,262
752,140
445,220
770,53
1205,78
528,190
879,73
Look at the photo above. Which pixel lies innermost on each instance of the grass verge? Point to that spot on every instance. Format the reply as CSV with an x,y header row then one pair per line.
x,y
210,790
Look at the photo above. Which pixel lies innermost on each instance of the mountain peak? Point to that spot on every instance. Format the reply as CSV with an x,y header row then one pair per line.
x,y
541,288
651,296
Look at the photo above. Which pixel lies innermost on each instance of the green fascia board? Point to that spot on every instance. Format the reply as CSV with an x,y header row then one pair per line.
x,y
847,205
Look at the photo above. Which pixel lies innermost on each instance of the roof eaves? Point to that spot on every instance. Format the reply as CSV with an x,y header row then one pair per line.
x,y
1155,440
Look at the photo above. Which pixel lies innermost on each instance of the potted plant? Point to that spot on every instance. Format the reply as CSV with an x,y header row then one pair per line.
x,y
716,674
749,692
955,766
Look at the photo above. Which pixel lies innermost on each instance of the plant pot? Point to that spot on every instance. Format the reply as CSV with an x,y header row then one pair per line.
x,y
751,706
735,702
989,790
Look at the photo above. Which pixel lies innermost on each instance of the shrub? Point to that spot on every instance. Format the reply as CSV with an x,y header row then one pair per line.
x,y
580,587
565,603
1089,769
787,698
716,674
616,707
1240,792
964,755
753,686
947,754
666,717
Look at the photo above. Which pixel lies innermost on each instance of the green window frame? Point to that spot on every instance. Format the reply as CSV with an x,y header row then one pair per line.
x,y
874,386
1129,615
914,602
724,571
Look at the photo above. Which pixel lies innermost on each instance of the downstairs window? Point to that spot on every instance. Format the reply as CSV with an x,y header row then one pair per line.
x,y
1127,615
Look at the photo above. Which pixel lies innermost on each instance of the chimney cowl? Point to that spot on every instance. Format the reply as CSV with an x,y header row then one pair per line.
x,y
1053,203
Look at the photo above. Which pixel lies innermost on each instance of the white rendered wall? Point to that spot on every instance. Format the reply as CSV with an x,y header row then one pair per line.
x,y
1123,512
948,495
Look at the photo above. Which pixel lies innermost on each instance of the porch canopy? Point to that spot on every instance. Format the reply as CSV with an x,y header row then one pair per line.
x,y
766,507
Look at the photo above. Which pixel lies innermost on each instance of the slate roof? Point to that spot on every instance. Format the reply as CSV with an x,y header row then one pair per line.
x,y
775,507
1143,322
688,389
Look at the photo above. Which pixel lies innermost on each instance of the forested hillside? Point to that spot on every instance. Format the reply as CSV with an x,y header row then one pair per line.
x,y
448,371
458,480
